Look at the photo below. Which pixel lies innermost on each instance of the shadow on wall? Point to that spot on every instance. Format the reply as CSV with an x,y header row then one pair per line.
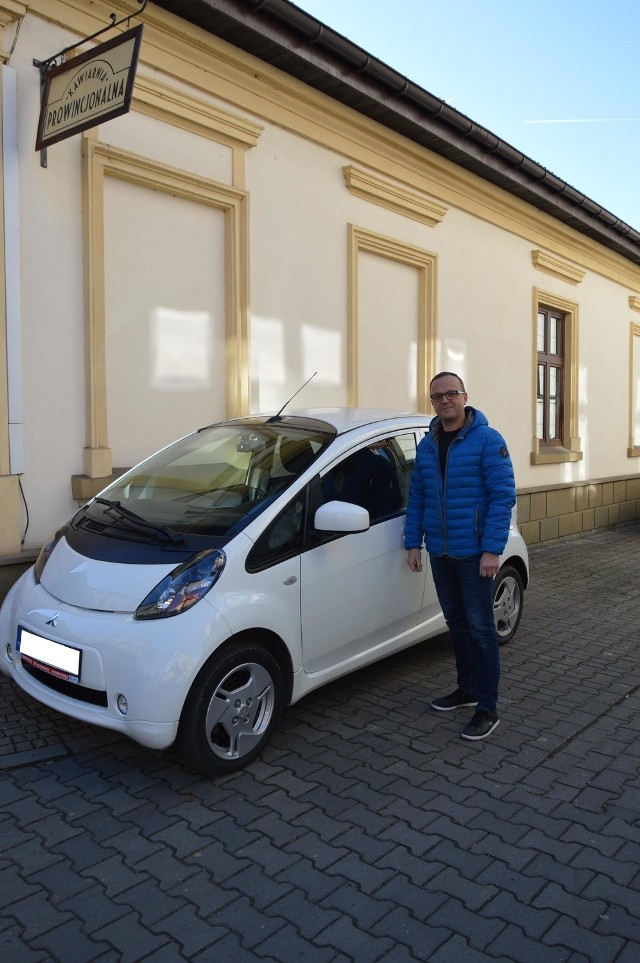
x,y
10,572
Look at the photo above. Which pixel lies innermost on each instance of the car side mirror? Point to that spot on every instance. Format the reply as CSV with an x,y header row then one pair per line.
x,y
344,517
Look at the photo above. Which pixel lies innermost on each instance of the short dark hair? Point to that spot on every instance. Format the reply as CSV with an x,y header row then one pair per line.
x,y
443,374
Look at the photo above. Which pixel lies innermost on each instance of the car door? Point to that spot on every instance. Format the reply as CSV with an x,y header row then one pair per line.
x,y
357,591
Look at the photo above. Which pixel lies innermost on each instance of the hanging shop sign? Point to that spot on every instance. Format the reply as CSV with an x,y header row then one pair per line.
x,y
88,90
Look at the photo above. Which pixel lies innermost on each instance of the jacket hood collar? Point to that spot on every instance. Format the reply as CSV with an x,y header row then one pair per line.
x,y
474,417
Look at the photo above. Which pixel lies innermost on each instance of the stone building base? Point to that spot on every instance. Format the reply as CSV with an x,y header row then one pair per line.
x,y
545,514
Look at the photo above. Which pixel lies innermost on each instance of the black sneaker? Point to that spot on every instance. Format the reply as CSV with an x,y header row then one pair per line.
x,y
457,700
482,725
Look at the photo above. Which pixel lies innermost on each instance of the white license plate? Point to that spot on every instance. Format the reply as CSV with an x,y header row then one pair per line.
x,y
61,661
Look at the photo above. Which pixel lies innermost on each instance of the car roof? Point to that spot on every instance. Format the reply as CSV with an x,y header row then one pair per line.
x,y
350,419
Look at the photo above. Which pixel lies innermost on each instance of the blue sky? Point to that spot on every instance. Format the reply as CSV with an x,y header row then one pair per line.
x,y
558,79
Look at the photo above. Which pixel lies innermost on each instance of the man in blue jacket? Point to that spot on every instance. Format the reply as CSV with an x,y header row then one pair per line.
x,y
460,500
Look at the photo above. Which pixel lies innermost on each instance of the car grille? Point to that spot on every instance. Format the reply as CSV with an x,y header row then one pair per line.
x,y
94,697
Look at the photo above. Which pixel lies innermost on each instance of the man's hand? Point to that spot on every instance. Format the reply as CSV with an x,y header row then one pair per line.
x,y
414,559
489,564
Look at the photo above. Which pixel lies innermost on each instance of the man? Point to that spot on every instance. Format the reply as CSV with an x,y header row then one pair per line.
x,y
460,500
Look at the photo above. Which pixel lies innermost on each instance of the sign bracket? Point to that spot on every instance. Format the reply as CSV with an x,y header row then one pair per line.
x,y
45,65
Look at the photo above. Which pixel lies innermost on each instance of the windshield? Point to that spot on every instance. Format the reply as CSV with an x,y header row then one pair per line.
x,y
215,481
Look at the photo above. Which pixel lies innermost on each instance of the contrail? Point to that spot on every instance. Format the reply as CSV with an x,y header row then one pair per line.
x,y
587,120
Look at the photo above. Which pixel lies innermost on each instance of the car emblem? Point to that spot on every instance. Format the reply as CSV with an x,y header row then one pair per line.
x,y
52,621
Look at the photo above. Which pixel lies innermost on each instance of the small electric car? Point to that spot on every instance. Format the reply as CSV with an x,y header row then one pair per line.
x,y
228,575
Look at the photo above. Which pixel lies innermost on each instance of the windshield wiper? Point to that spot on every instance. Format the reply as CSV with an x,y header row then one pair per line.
x,y
167,533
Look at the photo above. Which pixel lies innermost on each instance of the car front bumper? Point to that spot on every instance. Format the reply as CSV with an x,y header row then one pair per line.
x,y
152,664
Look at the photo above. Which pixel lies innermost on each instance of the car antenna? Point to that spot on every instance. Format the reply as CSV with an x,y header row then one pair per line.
x,y
277,417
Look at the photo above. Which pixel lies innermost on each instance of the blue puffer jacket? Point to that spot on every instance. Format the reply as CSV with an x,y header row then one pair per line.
x,y
470,512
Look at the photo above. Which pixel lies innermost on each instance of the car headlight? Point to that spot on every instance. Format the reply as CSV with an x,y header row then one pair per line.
x,y
46,552
183,587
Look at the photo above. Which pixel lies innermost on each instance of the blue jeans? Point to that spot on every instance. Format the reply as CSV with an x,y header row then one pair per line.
x,y
466,598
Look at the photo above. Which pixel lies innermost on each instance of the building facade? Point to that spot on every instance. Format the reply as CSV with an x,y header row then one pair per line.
x,y
278,204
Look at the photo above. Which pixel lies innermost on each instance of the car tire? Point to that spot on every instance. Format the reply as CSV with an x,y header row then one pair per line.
x,y
508,601
231,710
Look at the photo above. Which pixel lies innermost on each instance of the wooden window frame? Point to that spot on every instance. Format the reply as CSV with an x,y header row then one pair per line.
x,y
633,450
549,361
567,447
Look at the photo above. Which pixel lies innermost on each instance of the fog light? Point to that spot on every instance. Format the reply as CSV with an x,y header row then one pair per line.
x,y
122,704
9,653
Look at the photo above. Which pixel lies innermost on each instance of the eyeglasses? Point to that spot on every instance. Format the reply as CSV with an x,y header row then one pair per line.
x,y
437,396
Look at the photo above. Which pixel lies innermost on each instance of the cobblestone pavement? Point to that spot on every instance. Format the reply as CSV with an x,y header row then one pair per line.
x,y
368,830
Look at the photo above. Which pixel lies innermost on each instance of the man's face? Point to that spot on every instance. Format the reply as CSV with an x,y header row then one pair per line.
x,y
450,410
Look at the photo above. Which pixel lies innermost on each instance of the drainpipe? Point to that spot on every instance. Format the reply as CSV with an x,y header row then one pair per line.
x,y
12,268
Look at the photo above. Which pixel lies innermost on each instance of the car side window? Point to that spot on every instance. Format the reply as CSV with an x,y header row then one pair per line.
x,y
375,477
282,538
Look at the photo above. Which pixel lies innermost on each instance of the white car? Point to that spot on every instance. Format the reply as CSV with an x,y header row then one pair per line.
x,y
229,574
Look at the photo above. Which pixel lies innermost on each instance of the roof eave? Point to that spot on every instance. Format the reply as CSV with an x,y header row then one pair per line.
x,y
279,33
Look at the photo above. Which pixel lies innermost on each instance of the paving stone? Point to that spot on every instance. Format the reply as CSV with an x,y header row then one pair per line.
x,y
457,949
163,866
478,929
285,945
473,895
12,947
630,953
566,933
261,890
618,922
503,876
364,910
12,834
513,945
515,857
418,899
149,901
468,863
533,921
572,879
312,882
56,943
615,869
421,938
14,888
355,943
36,915
91,908
185,928
420,870
131,939
321,854
251,925
306,916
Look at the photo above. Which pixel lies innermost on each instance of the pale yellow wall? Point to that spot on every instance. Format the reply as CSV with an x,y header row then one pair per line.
x,y
388,327
147,136
327,243
164,313
298,272
51,260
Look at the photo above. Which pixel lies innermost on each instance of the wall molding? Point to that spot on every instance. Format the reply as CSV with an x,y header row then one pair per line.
x,y
395,197
425,262
557,268
100,161
157,99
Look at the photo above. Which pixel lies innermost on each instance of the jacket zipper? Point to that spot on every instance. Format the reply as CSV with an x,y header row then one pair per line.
x,y
443,513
